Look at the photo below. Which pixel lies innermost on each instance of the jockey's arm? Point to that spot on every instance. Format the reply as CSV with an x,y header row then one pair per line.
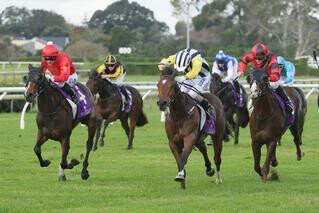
x,y
196,67
290,71
166,62
101,69
231,72
243,63
65,70
118,72
274,73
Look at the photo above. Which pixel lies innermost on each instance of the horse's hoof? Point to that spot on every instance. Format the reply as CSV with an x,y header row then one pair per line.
x,y
236,142
274,163
211,172
129,147
45,163
75,162
179,178
85,175
101,143
274,175
94,148
62,178
218,181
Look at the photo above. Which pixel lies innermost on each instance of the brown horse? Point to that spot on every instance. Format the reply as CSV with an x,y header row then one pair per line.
x,y
182,126
55,120
109,105
268,122
226,93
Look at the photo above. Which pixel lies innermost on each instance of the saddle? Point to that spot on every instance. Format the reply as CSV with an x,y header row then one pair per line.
x,y
126,97
290,117
83,107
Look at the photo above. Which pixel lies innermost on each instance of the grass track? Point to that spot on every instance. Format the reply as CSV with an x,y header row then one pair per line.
x,y
141,180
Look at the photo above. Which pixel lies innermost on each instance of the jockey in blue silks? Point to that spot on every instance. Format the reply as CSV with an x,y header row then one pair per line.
x,y
287,74
226,67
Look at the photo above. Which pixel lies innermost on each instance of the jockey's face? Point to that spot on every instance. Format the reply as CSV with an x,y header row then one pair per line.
x,y
50,59
220,63
260,59
110,66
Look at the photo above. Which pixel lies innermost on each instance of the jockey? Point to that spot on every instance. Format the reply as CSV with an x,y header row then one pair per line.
x,y
287,74
112,70
226,65
196,73
61,67
261,57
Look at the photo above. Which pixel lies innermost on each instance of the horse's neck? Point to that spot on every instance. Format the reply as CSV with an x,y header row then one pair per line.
x,y
49,100
264,106
178,109
108,91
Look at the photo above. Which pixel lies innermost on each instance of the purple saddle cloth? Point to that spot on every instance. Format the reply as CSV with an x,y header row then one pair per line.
x,y
209,126
239,99
290,117
127,102
84,106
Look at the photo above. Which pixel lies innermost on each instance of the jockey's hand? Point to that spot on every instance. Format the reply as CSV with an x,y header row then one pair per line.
x,y
181,78
49,77
104,76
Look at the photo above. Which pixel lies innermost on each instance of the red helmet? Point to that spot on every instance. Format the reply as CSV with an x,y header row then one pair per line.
x,y
259,50
50,50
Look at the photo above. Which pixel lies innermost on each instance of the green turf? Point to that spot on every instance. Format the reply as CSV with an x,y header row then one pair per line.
x,y
141,180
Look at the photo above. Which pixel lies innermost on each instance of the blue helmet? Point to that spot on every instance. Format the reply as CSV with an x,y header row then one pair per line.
x,y
220,57
281,60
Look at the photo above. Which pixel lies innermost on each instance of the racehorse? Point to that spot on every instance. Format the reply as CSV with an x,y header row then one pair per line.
x,y
109,105
55,119
182,126
227,94
268,121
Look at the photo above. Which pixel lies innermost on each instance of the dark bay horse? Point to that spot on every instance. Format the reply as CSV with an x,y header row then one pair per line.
x,y
55,120
268,122
182,126
109,105
227,94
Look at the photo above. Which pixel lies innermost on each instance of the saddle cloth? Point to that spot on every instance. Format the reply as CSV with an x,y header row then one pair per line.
x,y
290,117
84,106
207,123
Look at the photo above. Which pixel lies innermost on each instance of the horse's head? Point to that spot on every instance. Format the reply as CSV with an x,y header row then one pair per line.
x,y
216,83
97,84
167,90
35,82
258,83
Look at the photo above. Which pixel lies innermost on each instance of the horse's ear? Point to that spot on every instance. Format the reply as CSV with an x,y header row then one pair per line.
x,y
30,67
248,78
265,78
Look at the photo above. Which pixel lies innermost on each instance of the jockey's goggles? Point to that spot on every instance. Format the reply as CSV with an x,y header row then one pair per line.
x,y
260,58
111,66
50,58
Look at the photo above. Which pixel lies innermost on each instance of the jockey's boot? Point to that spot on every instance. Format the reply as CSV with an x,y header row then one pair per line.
x,y
287,100
70,92
207,107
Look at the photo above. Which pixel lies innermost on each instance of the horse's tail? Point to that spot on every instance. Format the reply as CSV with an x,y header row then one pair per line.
x,y
244,114
142,119
303,98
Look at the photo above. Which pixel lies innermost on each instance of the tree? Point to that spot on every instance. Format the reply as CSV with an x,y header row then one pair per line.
x,y
125,14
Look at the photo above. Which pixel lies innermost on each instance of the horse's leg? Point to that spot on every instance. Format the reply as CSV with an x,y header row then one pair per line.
x,y
124,123
97,136
202,148
89,143
256,148
133,121
236,127
218,146
297,139
65,146
103,133
177,152
270,151
37,149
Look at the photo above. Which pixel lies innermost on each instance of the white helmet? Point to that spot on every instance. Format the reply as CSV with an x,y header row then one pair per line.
x,y
182,60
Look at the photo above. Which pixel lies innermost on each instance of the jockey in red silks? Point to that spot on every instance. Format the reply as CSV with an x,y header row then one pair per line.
x,y
262,58
61,67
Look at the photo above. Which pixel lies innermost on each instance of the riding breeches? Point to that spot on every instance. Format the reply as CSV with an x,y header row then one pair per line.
x,y
71,81
199,84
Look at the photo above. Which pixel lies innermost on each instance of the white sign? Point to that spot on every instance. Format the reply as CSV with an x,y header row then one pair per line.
x,y
125,50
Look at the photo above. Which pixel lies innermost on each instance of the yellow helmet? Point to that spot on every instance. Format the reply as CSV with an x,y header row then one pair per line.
x,y
110,60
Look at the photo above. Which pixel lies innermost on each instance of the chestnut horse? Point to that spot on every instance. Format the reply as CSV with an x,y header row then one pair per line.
x,y
226,93
268,122
55,120
182,126
109,106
